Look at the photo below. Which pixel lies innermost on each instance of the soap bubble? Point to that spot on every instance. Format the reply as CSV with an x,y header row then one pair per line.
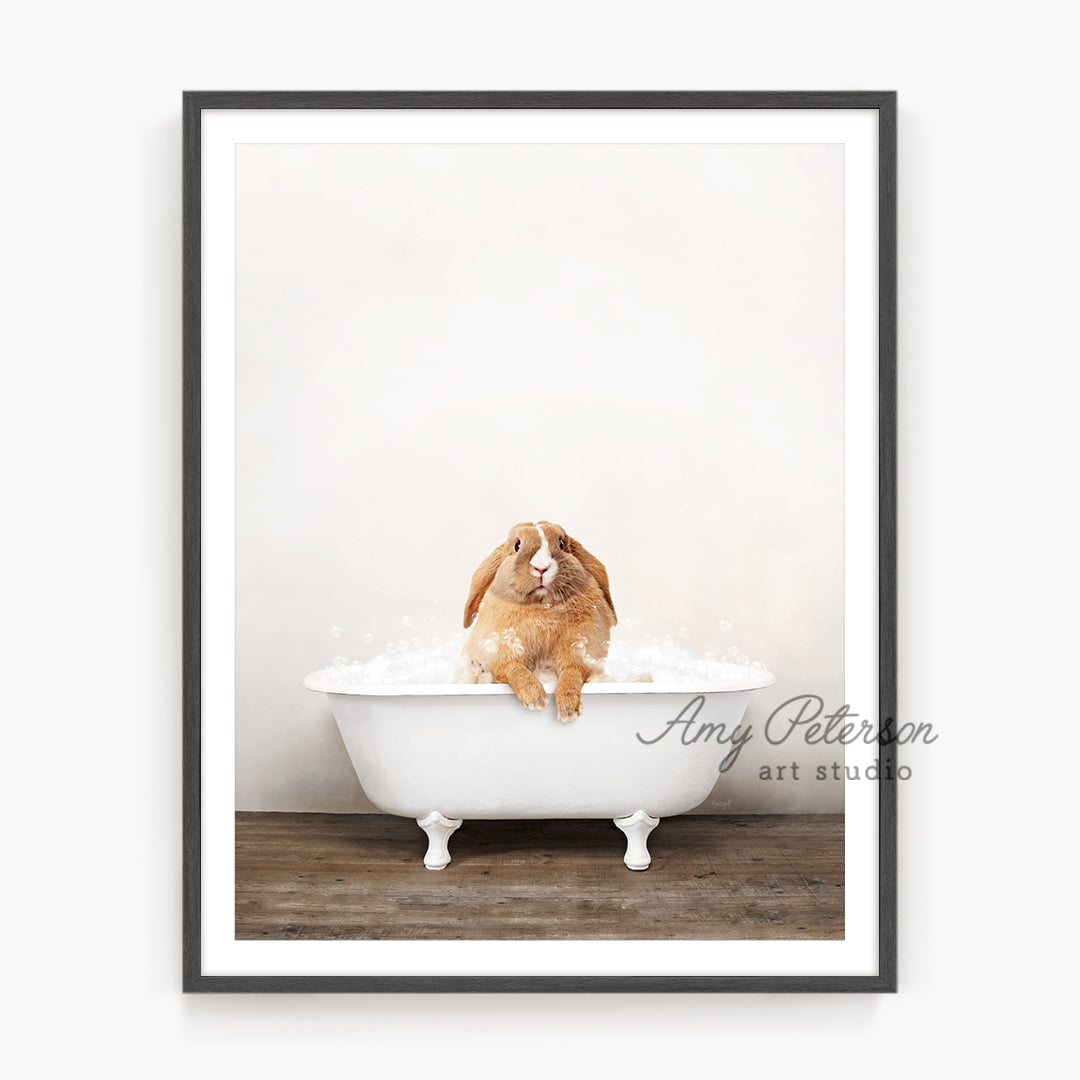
x,y
406,620
725,624
684,631
335,631
430,661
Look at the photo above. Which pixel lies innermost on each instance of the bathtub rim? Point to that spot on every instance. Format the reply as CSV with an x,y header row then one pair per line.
x,y
732,686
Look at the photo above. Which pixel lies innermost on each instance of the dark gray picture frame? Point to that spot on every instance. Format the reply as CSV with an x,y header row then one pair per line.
x,y
194,104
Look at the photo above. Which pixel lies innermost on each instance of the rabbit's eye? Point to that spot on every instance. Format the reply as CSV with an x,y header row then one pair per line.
x,y
517,545
562,542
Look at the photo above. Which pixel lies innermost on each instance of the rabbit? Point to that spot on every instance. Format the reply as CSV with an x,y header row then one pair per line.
x,y
543,608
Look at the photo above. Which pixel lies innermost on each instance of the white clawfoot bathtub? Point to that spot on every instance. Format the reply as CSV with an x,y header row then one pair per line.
x,y
443,754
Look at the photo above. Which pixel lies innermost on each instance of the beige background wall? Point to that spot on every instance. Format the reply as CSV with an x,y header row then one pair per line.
x,y
643,343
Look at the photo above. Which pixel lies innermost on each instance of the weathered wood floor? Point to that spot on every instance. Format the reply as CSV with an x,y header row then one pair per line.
x,y
350,876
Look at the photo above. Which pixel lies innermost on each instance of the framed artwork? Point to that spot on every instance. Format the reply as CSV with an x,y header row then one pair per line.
x,y
539,542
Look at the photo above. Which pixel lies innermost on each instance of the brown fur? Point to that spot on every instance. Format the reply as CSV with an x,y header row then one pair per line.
x,y
521,631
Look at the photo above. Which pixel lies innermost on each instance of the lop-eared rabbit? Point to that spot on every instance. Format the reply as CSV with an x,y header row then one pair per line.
x,y
543,610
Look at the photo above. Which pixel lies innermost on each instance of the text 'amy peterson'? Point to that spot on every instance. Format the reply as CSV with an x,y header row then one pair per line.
x,y
803,716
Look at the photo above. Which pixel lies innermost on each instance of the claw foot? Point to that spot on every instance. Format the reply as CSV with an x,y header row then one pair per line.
x,y
439,830
637,828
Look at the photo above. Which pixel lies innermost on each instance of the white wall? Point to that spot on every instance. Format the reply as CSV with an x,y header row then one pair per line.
x,y
90,439
642,343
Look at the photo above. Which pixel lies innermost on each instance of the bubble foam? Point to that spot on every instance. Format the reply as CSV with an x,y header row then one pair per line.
x,y
435,663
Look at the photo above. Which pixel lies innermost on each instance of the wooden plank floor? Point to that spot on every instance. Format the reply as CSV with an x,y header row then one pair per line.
x,y
351,876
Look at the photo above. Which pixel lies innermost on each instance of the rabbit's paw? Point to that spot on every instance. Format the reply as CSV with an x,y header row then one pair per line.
x,y
569,707
533,695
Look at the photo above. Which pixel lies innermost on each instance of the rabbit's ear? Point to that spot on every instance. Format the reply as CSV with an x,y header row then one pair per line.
x,y
481,582
595,567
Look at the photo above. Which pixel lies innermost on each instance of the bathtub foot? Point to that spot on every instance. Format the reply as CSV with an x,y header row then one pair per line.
x,y
439,830
637,828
